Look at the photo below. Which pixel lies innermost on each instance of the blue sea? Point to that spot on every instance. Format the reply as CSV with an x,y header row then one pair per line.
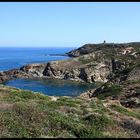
x,y
11,58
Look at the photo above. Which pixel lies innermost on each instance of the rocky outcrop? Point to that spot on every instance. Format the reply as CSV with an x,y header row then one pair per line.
x,y
88,68
13,74
27,71
50,70
124,87
87,73
34,70
70,70
134,74
117,65
91,66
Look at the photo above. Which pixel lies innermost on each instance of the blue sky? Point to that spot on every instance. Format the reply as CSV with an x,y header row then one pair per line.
x,y
68,24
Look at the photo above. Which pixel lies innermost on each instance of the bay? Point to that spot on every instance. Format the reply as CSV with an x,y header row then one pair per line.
x,y
16,57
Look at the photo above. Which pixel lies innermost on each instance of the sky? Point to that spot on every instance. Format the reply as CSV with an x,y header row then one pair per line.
x,y
68,24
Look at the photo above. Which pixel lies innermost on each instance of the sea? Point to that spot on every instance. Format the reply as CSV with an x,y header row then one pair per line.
x,y
16,57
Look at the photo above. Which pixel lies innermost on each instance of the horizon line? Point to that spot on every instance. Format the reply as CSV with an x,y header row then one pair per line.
x,y
39,46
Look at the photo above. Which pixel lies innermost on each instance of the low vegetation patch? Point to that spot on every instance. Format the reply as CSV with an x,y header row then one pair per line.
x,y
33,115
112,90
125,111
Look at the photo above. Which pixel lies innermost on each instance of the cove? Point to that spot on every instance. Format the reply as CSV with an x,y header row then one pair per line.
x,y
51,87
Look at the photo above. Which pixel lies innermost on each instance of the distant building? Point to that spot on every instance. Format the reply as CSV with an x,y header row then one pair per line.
x,y
104,41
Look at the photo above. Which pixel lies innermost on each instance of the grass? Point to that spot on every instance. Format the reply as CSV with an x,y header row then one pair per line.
x,y
98,107
21,95
85,61
125,111
112,90
33,115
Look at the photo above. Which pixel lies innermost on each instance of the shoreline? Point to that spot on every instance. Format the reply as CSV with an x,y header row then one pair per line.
x,y
57,55
85,66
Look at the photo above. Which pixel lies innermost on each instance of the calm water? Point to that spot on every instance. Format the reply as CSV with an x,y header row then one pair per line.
x,y
16,57
51,87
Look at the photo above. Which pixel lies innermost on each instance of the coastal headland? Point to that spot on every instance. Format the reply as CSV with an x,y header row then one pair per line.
x,y
112,107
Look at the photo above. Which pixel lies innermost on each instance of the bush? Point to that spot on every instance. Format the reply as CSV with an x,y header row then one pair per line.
x,y
125,111
110,91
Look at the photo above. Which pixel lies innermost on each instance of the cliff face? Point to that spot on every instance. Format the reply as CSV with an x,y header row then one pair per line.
x,y
12,74
123,86
87,73
72,70
27,71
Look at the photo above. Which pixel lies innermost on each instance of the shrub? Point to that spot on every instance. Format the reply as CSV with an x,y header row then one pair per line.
x,y
109,91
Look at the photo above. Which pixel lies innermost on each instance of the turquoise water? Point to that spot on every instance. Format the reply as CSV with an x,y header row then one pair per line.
x,y
52,87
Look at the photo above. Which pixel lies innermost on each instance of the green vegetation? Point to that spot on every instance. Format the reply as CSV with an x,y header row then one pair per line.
x,y
109,53
28,114
85,61
124,111
34,115
112,90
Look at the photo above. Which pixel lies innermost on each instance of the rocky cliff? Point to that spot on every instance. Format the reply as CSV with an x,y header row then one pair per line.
x,y
123,78
95,63
71,70
123,86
